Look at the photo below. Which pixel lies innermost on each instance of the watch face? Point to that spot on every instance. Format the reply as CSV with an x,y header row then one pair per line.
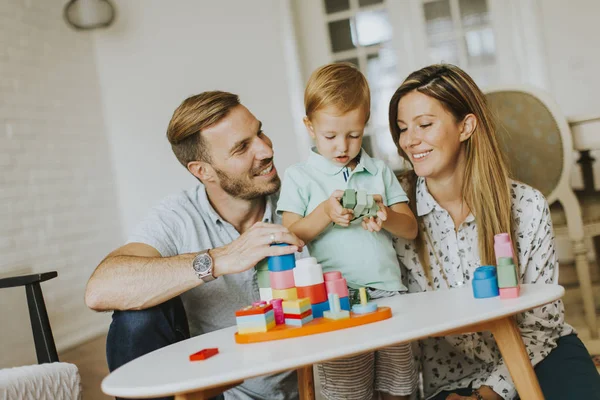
x,y
203,264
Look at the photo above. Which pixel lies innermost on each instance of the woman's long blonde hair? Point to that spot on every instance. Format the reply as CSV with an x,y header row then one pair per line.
x,y
486,185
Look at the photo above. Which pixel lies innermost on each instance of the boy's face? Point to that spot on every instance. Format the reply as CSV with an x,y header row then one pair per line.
x,y
338,137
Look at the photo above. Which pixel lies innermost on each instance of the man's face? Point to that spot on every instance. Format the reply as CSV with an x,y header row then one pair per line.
x,y
242,155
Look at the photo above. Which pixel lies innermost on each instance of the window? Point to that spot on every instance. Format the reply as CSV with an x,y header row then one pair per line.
x,y
360,32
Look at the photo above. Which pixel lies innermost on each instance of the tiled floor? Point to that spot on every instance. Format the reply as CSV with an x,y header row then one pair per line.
x,y
90,357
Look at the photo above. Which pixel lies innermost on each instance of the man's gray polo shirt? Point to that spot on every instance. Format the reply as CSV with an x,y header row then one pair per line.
x,y
187,223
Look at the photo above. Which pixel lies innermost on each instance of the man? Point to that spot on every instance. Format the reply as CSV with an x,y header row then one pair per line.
x,y
196,251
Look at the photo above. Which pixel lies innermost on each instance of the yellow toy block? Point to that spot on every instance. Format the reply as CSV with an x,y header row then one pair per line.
x,y
285,294
296,306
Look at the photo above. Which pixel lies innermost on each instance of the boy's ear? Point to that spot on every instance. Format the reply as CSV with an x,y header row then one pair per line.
x,y
309,127
468,126
202,170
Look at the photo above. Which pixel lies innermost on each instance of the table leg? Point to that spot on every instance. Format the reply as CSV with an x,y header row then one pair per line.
x,y
306,384
515,356
205,394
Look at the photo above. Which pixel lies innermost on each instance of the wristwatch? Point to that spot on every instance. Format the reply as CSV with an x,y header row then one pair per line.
x,y
203,265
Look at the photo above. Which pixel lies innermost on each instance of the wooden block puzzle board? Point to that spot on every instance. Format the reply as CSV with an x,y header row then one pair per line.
x,y
317,325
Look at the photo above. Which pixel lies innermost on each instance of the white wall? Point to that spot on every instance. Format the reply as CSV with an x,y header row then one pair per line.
x,y
571,31
159,53
58,208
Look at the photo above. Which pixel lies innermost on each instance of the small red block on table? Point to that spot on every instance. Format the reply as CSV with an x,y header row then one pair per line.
x,y
204,354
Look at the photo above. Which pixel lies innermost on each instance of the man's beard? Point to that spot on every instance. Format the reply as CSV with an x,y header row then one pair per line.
x,y
244,187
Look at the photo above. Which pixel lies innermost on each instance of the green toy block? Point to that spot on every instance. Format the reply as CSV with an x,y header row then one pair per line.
x,y
343,314
263,265
349,199
370,201
361,202
507,274
263,279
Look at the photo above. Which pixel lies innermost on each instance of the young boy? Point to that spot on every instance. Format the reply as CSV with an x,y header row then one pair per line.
x,y
337,103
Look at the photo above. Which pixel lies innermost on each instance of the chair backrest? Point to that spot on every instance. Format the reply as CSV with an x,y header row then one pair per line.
x,y
535,136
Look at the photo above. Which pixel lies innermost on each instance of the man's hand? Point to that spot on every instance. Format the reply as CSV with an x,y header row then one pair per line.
x,y
252,246
374,224
334,210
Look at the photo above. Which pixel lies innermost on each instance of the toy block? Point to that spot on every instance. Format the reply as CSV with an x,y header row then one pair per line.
x,y
246,330
263,265
509,292
308,272
315,293
503,246
507,274
266,294
263,279
281,263
365,306
255,320
335,312
278,311
345,303
349,199
297,306
319,308
298,316
299,322
282,279
361,202
259,303
285,294
204,354
332,275
485,282
371,211
254,310
337,286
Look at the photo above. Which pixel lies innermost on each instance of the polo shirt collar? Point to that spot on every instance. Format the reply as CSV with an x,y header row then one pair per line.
x,y
426,203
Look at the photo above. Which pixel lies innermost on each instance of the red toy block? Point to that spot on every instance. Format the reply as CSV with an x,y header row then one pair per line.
x,y
509,293
204,354
298,316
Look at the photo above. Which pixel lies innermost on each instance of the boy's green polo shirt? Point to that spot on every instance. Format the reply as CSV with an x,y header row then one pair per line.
x,y
365,258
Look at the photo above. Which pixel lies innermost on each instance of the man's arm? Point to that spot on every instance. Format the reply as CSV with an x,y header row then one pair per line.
x,y
136,277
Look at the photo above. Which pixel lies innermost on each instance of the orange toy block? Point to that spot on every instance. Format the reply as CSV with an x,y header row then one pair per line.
x,y
204,354
254,310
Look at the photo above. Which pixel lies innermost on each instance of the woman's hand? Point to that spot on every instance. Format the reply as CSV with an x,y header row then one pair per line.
x,y
334,210
374,224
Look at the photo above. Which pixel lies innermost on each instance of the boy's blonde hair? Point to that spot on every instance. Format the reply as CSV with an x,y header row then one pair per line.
x,y
340,85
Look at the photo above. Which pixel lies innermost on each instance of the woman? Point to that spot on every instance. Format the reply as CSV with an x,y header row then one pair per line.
x,y
462,195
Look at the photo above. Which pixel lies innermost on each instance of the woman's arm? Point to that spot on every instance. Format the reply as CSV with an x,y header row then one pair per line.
x,y
401,221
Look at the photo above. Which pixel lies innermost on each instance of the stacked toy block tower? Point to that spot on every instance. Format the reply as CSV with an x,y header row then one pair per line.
x,y
360,202
508,279
259,317
308,276
297,312
336,284
281,276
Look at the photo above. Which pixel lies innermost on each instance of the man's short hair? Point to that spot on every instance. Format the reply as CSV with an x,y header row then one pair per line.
x,y
191,117
340,85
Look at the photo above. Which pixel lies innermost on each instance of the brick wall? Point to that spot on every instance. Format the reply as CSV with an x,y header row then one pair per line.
x,y
58,208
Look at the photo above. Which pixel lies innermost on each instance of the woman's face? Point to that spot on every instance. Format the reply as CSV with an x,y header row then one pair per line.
x,y
430,136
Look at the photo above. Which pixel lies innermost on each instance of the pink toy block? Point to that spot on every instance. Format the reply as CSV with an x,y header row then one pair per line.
x,y
333,275
258,303
337,286
503,246
278,310
509,293
282,279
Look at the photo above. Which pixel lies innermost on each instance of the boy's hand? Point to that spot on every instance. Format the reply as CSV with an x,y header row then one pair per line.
x,y
334,210
374,224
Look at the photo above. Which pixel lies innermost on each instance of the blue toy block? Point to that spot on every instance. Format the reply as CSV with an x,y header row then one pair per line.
x,y
345,303
319,308
281,263
485,282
